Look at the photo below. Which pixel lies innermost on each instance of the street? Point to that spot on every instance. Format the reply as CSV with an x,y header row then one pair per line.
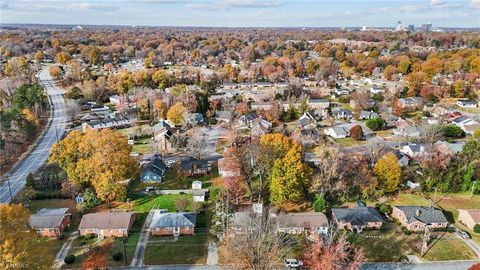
x,y
39,155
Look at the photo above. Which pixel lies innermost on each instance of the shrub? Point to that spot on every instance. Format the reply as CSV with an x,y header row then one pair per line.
x,y
476,228
319,203
117,256
376,123
453,131
451,229
385,208
69,259
356,132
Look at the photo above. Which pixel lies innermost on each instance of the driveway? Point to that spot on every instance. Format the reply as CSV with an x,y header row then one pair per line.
x,y
137,260
38,156
212,257
64,250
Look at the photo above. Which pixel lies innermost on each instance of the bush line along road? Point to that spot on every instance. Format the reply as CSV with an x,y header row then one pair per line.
x,y
37,157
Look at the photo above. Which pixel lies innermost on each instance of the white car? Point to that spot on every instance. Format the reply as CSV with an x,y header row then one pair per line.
x,y
293,263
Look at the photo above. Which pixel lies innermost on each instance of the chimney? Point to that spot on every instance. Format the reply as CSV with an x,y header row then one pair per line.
x,y
417,212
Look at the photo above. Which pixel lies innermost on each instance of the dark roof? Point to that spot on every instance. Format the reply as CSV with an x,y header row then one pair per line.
x,y
156,166
160,126
423,214
357,216
107,220
187,164
168,220
48,218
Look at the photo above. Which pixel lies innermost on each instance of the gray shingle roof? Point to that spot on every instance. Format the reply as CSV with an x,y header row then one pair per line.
x,y
357,216
168,220
425,214
48,218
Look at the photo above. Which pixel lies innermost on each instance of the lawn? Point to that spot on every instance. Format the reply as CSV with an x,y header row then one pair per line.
x,y
449,247
145,204
144,145
349,142
389,244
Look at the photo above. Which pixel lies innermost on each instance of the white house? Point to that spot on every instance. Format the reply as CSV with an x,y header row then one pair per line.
x,y
467,103
337,132
413,150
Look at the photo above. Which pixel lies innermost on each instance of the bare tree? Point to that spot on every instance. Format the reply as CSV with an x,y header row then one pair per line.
x,y
72,109
197,146
257,245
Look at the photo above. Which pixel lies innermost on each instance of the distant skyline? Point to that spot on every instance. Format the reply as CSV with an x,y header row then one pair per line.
x,y
244,13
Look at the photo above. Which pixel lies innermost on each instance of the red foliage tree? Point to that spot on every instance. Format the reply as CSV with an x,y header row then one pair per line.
x,y
339,255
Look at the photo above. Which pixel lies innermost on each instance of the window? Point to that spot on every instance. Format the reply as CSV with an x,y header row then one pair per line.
x,y
187,228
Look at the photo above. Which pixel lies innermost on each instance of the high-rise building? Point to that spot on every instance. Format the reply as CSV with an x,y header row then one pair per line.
x,y
427,27
411,28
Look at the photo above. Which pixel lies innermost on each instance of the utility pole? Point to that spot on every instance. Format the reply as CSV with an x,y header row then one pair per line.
x,y
473,188
125,249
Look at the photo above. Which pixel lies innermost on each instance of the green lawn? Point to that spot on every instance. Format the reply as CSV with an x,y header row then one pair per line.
x,y
144,145
389,244
449,247
145,204
348,142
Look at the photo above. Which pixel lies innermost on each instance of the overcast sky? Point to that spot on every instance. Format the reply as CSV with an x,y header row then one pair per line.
x,y
238,13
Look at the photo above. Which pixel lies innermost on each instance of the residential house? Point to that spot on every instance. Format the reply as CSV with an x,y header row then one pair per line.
x,y
261,106
260,127
342,91
224,116
163,133
469,217
364,115
341,113
413,150
467,124
467,103
195,167
154,171
357,219
403,159
337,132
409,131
311,223
51,222
410,103
319,104
307,121
246,120
175,224
376,89
106,224
195,119
116,122
416,218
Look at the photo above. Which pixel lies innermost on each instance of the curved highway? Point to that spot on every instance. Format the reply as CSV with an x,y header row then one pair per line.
x,y
39,155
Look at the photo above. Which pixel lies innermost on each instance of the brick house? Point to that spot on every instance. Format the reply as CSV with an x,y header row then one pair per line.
x,y
303,223
107,224
167,224
51,222
469,217
357,219
415,218
410,103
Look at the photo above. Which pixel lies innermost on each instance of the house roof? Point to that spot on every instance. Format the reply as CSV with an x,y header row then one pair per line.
x,y
168,220
302,220
357,216
474,213
48,218
156,166
161,126
422,214
187,164
224,114
106,220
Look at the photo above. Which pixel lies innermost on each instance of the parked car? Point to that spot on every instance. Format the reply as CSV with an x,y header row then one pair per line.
x,y
148,189
463,234
293,263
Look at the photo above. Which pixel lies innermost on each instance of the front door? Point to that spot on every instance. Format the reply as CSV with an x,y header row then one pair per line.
x,y
176,230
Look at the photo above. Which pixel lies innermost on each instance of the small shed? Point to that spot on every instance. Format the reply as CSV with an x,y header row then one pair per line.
x,y
197,184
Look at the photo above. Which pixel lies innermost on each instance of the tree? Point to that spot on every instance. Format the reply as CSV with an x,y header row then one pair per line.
x,y
388,172
319,203
290,177
231,163
63,57
177,114
19,244
100,159
336,255
39,56
256,245
356,132
376,123
161,78
55,72
453,131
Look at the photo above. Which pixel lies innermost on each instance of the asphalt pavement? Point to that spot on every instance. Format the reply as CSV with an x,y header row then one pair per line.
x,y
39,155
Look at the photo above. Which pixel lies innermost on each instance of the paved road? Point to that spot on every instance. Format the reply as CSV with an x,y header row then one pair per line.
x,y
448,265
138,256
39,155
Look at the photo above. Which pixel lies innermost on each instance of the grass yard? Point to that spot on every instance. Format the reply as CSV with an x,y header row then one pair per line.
x,y
387,245
145,204
144,145
349,142
449,247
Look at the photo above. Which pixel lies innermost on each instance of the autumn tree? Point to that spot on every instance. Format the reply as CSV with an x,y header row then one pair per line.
x,y
335,255
55,72
20,247
290,177
63,57
177,114
100,159
388,172
356,132
234,178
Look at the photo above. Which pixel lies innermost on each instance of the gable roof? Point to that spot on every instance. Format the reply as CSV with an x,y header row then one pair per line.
x,y
422,214
48,218
357,216
304,220
106,220
474,214
156,166
168,220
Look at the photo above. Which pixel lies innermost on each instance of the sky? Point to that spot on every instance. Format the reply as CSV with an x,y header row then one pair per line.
x,y
244,13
